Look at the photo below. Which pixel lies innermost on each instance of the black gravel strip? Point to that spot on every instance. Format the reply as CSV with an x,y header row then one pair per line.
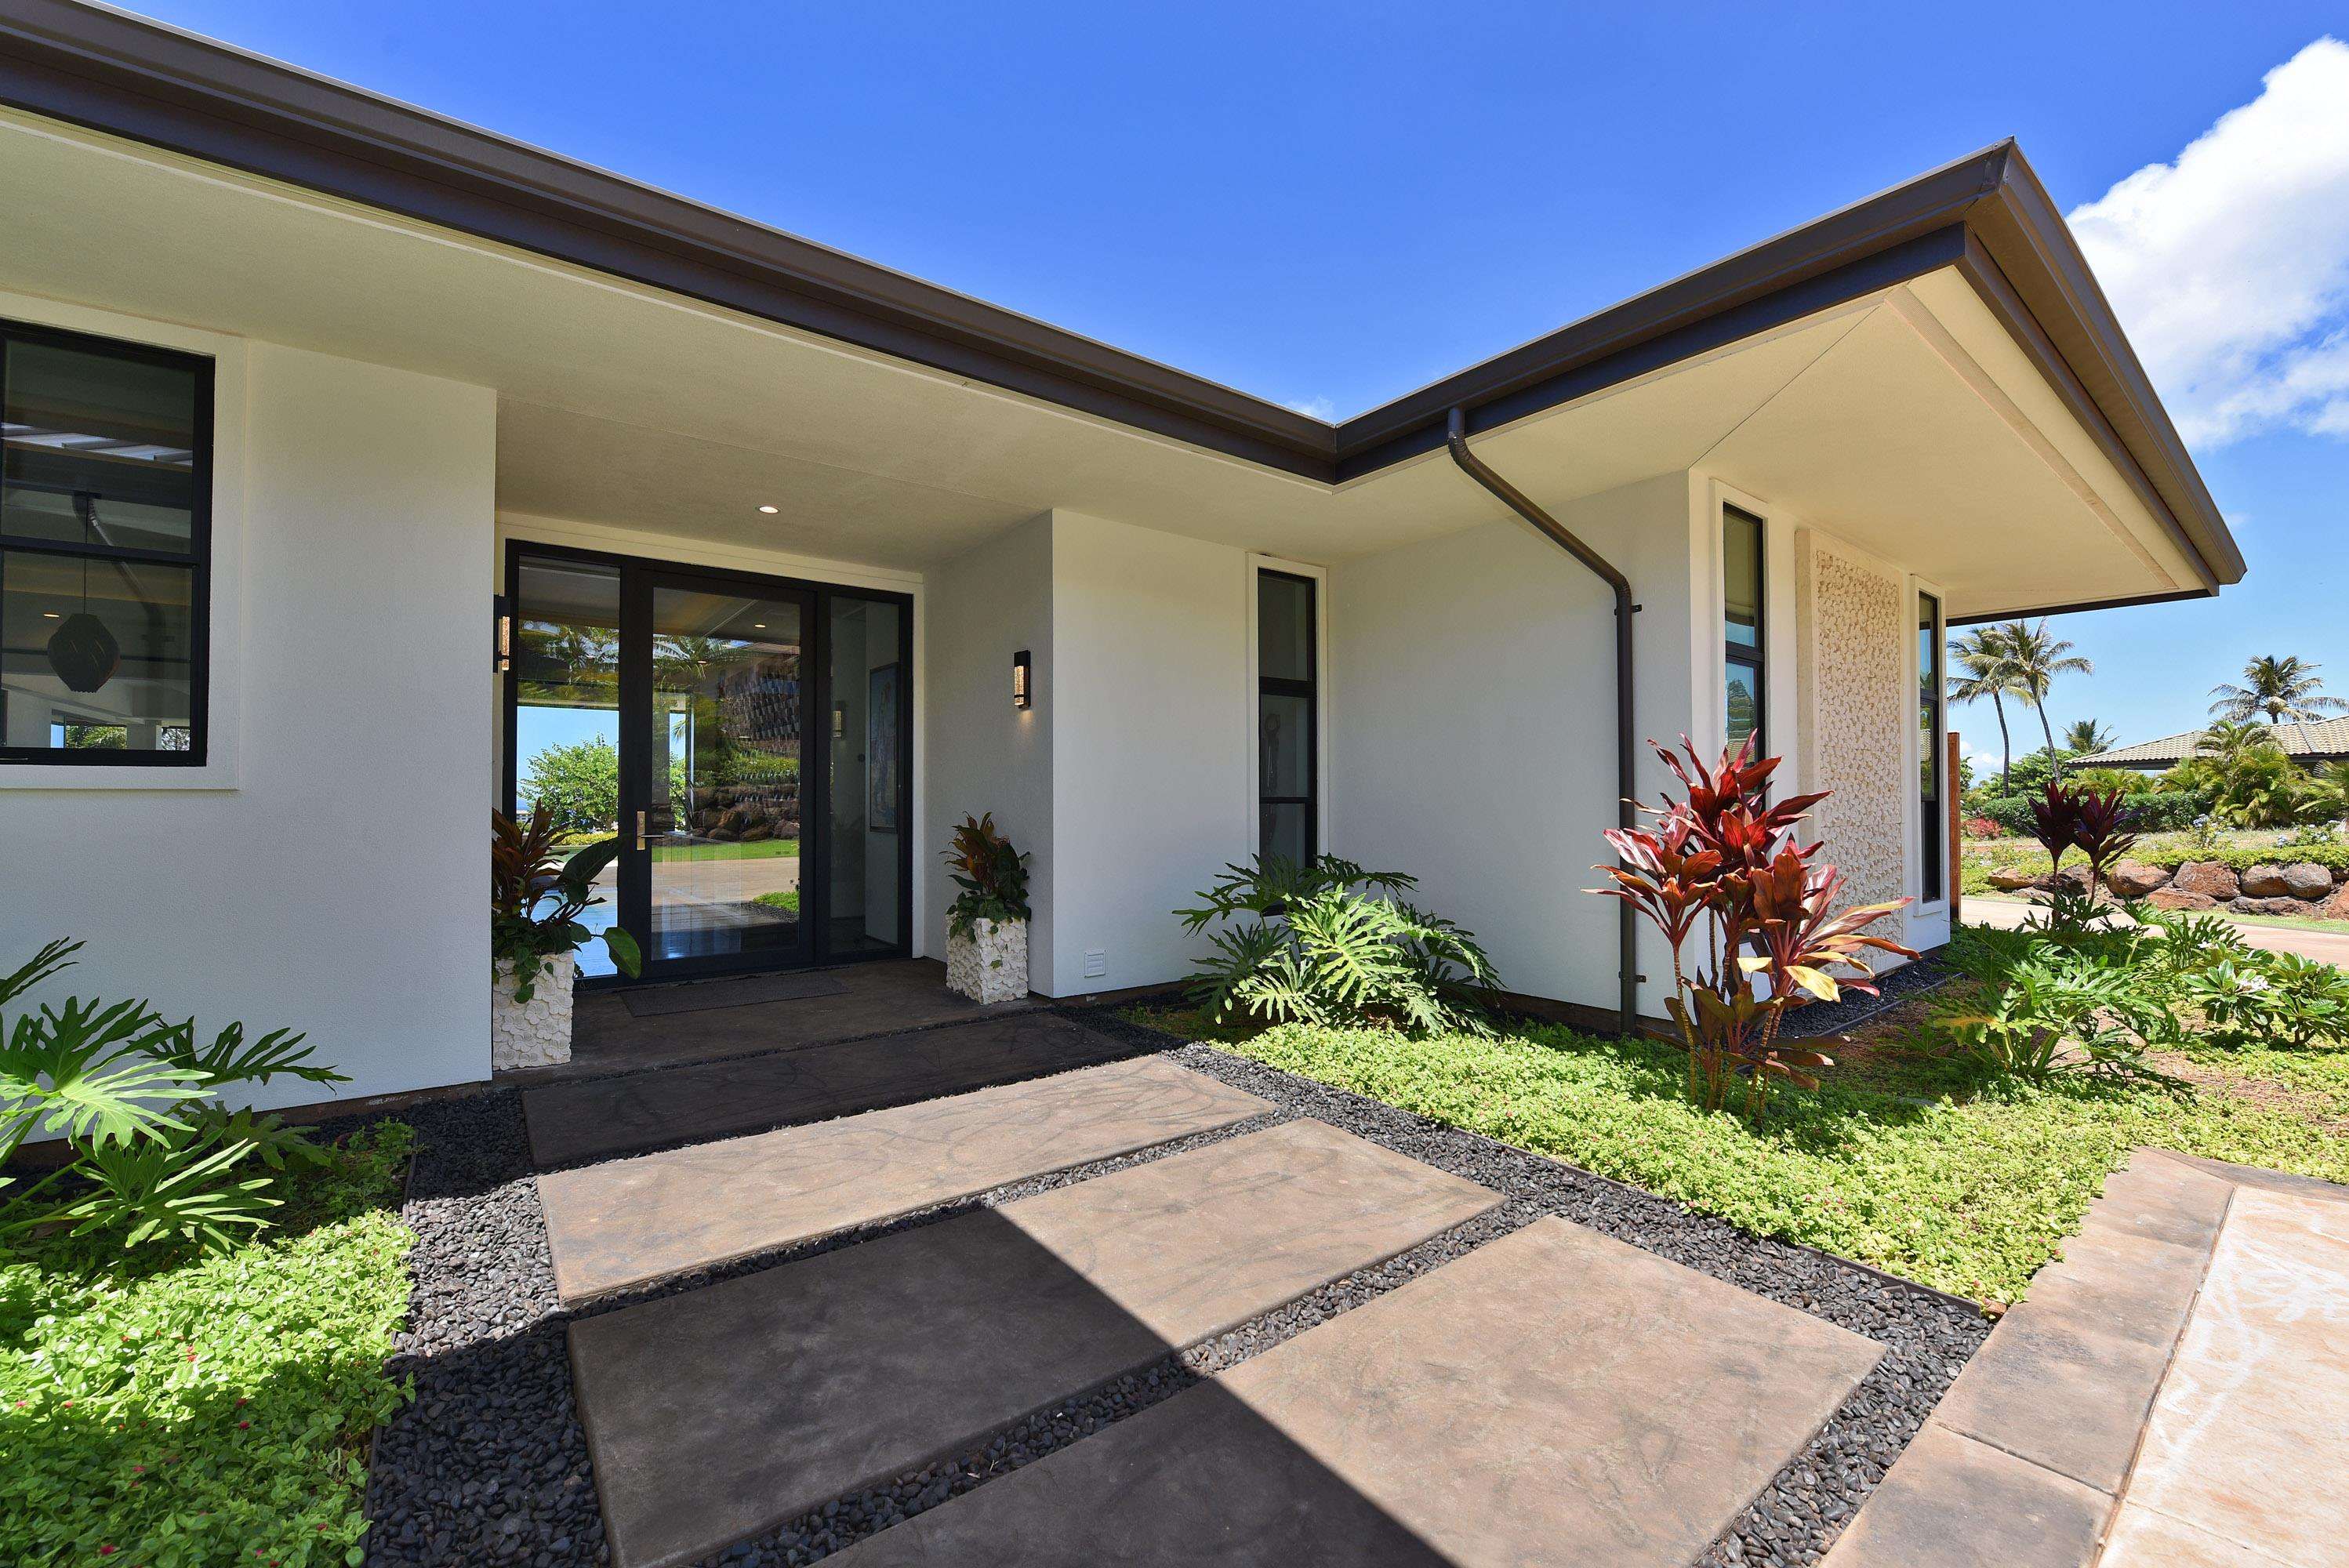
x,y
489,1464
1896,988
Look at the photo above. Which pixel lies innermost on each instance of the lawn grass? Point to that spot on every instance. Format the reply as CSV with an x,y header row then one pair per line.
x,y
172,1412
1903,1159
763,849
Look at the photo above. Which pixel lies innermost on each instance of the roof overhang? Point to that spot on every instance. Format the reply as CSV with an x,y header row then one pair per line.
x,y
1983,221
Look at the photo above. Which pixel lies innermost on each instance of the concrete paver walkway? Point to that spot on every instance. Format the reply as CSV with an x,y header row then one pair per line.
x,y
2243,1460
627,1223
1555,1398
2173,1393
717,1413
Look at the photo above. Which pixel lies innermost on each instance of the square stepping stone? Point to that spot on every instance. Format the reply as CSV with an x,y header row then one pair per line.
x,y
720,1412
628,1223
1555,1397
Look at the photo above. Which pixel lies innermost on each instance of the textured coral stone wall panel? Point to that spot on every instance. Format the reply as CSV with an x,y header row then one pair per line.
x,y
1858,719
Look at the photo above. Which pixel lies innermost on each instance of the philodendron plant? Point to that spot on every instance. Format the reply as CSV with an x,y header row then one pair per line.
x,y
1724,862
537,899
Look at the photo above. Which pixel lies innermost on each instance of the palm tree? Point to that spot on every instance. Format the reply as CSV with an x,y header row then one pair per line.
x,y
2037,659
1988,673
2086,737
2276,690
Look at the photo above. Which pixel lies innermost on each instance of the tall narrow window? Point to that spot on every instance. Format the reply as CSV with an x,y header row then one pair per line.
x,y
105,510
1287,717
1741,618
1930,823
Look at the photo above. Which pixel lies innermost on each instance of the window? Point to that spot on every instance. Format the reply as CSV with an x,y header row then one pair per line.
x,y
105,525
1930,823
1741,625
1287,717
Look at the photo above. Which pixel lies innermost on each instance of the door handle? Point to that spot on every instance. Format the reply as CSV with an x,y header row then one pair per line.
x,y
640,830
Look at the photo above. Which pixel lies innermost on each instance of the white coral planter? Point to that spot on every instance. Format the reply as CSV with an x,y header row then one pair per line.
x,y
536,1033
990,964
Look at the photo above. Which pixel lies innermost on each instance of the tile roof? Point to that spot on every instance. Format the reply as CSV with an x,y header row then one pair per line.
x,y
2322,740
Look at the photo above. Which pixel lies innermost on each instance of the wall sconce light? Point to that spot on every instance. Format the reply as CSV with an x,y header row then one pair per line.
x,y
1021,697
501,648
839,721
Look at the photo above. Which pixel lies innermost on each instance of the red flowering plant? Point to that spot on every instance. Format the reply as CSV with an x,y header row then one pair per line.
x,y
1724,861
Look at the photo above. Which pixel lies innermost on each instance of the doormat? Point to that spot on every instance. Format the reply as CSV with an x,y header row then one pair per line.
x,y
703,996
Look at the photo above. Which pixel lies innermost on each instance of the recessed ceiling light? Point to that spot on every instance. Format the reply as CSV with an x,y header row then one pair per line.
x,y
50,615
758,625
769,510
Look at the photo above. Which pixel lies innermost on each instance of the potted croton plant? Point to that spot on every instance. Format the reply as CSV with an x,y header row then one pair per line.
x,y
536,897
987,924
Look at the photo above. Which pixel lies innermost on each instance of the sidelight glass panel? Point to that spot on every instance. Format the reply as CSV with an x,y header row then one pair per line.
x,y
1285,829
722,817
869,698
1284,745
1740,577
1284,622
1744,708
1287,765
1741,584
1930,745
567,716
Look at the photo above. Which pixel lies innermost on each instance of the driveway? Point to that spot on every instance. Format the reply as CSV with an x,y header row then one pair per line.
x,y
2331,946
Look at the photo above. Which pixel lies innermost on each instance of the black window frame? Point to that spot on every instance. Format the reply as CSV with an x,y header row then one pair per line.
x,y
1735,655
1933,719
197,561
1309,689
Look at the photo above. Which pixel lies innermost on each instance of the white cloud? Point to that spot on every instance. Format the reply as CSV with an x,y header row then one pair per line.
x,y
1319,408
2230,267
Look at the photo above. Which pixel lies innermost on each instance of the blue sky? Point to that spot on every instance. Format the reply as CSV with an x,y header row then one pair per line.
x,y
1328,205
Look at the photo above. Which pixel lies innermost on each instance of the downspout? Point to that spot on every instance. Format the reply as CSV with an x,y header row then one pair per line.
x,y
1626,756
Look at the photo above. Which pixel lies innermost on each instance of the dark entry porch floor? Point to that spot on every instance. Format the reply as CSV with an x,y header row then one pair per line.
x,y
876,999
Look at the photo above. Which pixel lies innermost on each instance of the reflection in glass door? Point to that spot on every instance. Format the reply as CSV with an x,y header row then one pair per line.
x,y
749,738
565,723
718,760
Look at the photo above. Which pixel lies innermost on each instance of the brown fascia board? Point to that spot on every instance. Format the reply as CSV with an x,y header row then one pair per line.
x,y
1986,214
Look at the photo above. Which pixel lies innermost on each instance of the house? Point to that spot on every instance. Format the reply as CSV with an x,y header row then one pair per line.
x,y
355,457
2315,744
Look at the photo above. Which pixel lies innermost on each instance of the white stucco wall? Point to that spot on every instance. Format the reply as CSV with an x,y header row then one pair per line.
x,y
1150,759
980,754
329,879
1473,729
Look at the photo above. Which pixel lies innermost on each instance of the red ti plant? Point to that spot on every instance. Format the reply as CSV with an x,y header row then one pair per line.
x,y
2089,820
1724,861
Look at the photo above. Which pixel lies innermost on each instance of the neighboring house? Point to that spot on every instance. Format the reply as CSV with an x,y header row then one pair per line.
x,y
2311,745
304,386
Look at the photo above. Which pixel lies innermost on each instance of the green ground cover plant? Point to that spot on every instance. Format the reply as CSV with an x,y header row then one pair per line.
x,y
1910,1159
177,1409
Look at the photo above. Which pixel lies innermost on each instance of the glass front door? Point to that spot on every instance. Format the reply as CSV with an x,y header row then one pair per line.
x,y
718,762
745,738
